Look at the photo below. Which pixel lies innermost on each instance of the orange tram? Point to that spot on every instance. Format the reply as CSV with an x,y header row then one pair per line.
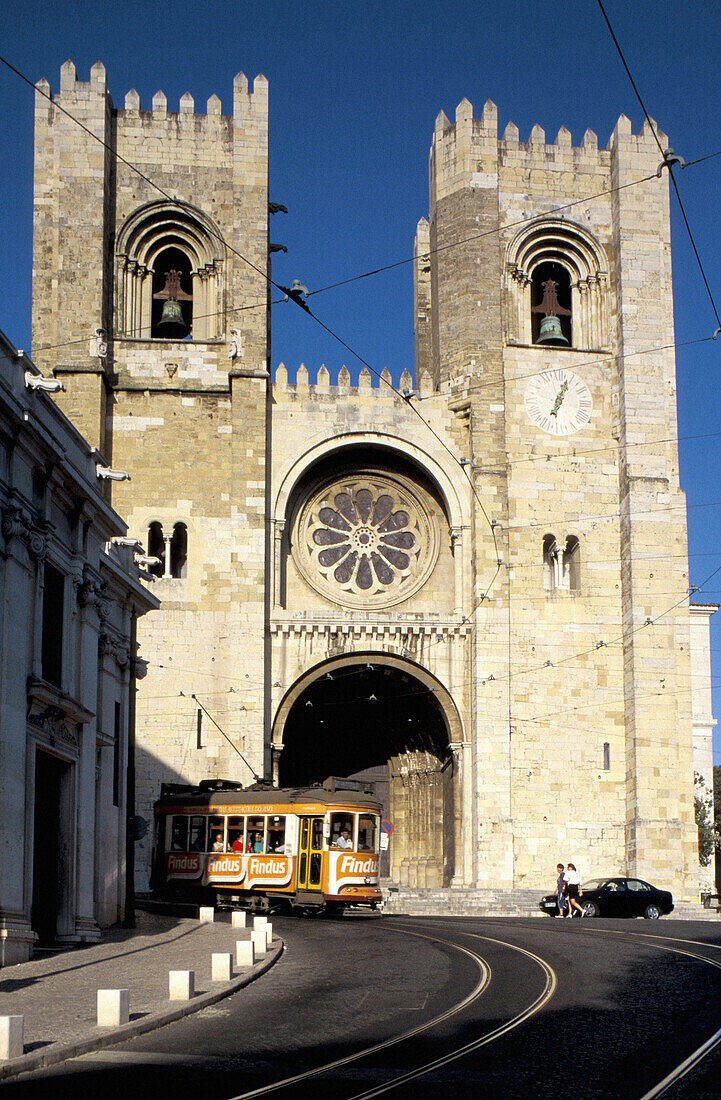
x,y
311,849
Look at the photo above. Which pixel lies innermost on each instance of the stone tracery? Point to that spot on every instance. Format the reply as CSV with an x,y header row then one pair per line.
x,y
366,539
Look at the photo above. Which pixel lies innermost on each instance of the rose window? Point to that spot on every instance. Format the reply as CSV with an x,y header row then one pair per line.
x,y
366,540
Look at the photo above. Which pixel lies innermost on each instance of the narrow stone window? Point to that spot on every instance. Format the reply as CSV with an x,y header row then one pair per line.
x,y
156,548
179,551
561,567
550,563
53,616
572,564
606,756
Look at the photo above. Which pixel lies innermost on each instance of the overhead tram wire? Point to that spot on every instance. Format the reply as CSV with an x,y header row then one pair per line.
x,y
205,710
271,282
664,154
364,667
375,271
182,204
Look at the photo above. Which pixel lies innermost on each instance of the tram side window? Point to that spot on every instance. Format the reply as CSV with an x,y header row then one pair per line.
x,y
256,834
339,823
367,825
179,835
236,834
216,834
197,834
276,834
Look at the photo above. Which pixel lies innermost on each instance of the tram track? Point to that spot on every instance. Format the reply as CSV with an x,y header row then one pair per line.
x,y
551,983
549,989
693,1060
477,991
697,1056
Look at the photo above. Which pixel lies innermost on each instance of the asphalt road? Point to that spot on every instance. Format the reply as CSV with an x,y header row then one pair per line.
x,y
425,1007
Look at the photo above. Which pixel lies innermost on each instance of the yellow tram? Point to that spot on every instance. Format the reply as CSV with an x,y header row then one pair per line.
x,y
312,849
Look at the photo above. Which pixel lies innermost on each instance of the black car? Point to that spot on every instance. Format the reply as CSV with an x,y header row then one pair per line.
x,y
617,897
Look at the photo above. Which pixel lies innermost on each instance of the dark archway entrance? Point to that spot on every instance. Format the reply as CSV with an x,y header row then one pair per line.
x,y
366,718
47,857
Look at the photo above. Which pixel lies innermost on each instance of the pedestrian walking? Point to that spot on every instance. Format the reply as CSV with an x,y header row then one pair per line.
x,y
560,891
574,891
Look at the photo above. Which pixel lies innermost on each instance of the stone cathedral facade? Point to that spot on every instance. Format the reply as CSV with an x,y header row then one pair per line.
x,y
474,594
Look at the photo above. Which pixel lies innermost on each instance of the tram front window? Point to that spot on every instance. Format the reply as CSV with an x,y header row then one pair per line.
x,y
196,841
341,830
276,835
256,834
367,828
179,835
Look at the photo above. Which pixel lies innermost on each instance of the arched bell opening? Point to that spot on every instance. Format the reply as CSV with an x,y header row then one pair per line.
x,y
383,726
551,313
172,317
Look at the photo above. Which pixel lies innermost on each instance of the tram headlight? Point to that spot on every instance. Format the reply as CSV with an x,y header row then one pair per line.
x,y
367,880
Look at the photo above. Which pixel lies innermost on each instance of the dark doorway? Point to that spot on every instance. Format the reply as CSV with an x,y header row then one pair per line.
x,y
384,728
49,772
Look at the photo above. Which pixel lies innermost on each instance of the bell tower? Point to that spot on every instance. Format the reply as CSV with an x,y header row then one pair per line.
x,y
150,234
544,314
150,302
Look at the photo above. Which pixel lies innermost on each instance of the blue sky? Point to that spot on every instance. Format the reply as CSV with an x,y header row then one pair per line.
x,y
354,91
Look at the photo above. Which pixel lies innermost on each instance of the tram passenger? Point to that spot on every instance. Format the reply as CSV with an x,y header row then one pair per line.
x,y
236,840
218,845
255,842
276,840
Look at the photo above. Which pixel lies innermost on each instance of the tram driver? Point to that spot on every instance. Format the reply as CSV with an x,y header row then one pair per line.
x,y
344,840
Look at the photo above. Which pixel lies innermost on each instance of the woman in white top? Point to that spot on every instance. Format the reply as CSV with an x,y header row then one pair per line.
x,y
573,890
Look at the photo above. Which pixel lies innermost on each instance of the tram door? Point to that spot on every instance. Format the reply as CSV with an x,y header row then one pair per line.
x,y
310,853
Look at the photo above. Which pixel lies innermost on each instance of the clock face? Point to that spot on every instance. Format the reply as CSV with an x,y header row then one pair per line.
x,y
558,402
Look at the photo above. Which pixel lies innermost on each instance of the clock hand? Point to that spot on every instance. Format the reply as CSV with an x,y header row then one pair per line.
x,y
559,399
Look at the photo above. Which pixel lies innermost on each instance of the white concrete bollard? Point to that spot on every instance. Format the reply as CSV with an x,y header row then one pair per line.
x,y
113,1007
206,914
221,967
238,918
181,985
260,922
11,1037
268,936
244,953
258,938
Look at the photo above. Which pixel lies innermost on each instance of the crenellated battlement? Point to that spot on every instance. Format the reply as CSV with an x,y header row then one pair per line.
x,y
248,100
468,151
369,385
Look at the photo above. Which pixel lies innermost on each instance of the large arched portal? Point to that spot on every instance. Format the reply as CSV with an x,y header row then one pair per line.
x,y
382,718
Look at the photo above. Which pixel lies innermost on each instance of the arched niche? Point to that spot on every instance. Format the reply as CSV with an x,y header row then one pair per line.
x,y
381,719
581,267
149,235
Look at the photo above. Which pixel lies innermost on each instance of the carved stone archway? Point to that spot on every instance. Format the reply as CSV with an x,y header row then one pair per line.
x,y
384,721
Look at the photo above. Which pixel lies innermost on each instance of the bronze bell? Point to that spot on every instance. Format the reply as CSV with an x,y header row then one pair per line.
x,y
551,332
172,314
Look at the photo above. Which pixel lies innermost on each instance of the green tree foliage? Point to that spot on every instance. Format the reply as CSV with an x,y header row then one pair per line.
x,y
706,806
